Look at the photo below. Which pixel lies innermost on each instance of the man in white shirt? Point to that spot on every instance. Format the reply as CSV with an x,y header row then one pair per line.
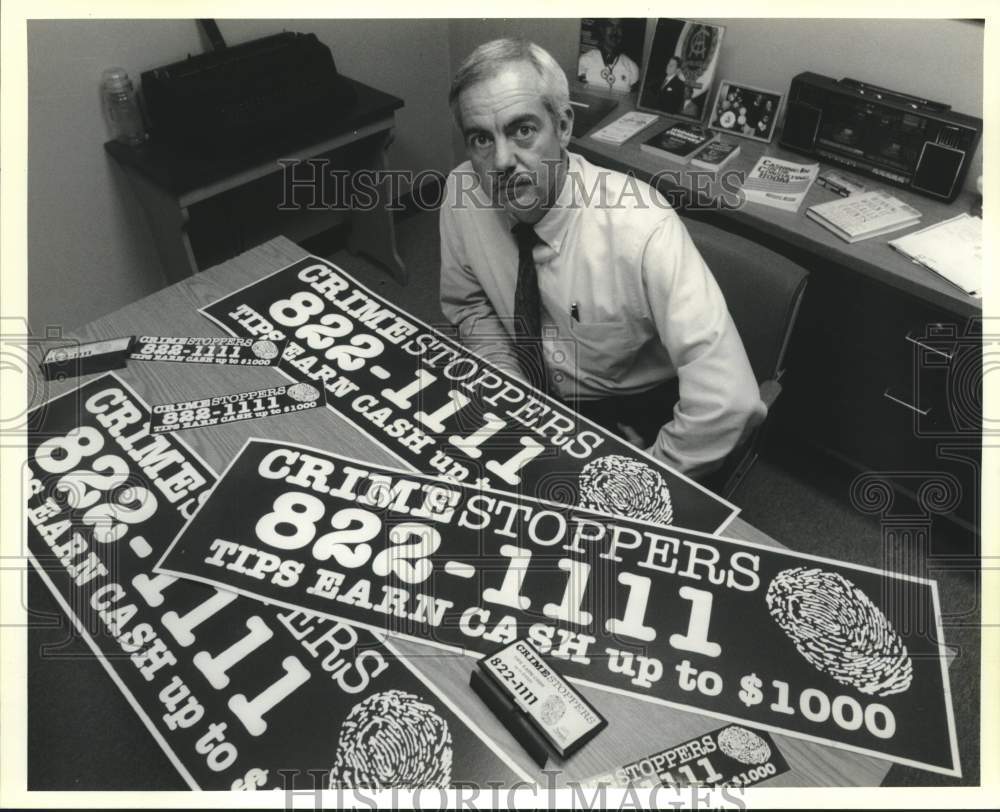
x,y
606,66
625,310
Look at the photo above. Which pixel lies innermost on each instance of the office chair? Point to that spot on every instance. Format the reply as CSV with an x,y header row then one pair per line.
x,y
763,291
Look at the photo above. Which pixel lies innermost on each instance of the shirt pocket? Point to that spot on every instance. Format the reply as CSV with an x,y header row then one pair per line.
x,y
605,349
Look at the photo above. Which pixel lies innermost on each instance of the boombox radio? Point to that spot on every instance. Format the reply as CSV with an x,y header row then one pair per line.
x,y
907,141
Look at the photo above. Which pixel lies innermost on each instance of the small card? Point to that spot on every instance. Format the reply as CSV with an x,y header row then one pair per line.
x,y
86,359
732,756
194,350
215,411
556,709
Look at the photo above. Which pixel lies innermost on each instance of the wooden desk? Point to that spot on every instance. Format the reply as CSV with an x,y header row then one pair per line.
x,y
203,210
636,728
884,367
699,195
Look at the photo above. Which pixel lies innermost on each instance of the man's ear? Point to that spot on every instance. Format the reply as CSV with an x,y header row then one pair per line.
x,y
566,126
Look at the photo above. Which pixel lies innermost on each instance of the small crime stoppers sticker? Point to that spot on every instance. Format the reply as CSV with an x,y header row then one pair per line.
x,y
206,350
732,756
223,409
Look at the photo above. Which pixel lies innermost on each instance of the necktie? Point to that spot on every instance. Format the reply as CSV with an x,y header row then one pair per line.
x,y
528,310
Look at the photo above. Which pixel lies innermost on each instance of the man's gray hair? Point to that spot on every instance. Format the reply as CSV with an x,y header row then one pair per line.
x,y
492,57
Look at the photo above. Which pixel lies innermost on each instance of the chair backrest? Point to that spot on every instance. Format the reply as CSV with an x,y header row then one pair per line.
x,y
763,291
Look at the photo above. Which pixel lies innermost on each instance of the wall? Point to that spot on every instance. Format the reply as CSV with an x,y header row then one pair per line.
x,y
941,60
936,59
89,248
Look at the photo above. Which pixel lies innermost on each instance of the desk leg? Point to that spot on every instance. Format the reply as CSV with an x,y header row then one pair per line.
x,y
373,232
168,221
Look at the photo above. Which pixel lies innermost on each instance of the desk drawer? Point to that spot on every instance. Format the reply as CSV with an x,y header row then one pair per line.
x,y
889,384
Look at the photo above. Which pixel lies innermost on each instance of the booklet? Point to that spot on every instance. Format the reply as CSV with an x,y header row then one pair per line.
x,y
860,217
622,129
780,184
679,142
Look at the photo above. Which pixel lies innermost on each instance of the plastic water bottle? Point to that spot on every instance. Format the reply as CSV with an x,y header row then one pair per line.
x,y
122,107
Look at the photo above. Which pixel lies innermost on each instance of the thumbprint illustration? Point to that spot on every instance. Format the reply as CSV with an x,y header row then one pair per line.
x,y
623,486
839,631
264,349
303,392
553,709
392,739
744,745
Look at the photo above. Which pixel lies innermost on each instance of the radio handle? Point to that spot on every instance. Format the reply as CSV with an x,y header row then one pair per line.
x,y
864,88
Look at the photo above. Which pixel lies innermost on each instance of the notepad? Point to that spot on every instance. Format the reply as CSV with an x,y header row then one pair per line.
x,y
863,216
953,249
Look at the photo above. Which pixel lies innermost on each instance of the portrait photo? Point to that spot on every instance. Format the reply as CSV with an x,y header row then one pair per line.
x,y
611,52
681,68
750,112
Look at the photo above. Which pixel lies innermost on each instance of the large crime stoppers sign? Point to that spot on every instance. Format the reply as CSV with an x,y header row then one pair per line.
x,y
807,646
238,695
443,410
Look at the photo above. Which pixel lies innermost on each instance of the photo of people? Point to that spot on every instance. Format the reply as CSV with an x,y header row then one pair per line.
x,y
611,52
681,67
750,112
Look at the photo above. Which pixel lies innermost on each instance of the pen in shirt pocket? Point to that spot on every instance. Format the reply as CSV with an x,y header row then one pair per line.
x,y
574,311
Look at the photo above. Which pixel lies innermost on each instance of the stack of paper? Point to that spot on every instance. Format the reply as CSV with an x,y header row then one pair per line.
x,y
953,249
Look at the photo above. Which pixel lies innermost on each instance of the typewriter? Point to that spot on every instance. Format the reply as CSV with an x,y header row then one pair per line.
x,y
240,99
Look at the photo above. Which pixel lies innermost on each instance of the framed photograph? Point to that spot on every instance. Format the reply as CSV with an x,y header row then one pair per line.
x,y
750,112
680,69
611,52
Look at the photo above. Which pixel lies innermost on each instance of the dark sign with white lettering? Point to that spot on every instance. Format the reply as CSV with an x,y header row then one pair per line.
x,y
238,695
441,409
732,756
843,654
222,409
242,352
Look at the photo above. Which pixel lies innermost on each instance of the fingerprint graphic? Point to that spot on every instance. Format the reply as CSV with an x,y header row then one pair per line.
x,y
303,392
392,739
552,710
744,745
839,631
623,486
264,349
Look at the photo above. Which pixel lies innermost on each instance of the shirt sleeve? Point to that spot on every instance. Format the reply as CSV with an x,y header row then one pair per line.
x,y
465,303
719,397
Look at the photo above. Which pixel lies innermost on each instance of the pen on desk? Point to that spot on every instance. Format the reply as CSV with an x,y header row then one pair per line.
x,y
574,311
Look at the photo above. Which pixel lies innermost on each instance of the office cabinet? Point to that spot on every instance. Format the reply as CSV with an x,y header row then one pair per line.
x,y
891,385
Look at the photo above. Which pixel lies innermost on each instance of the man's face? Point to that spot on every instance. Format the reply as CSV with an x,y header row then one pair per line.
x,y
612,39
672,66
512,141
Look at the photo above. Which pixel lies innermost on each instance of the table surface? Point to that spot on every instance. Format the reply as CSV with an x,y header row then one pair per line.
x,y
635,729
181,173
873,257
